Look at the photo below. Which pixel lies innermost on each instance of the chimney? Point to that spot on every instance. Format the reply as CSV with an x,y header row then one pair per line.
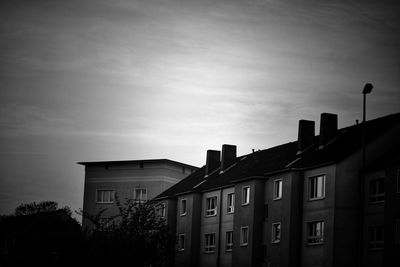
x,y
213,161
306,135
328,128
228,156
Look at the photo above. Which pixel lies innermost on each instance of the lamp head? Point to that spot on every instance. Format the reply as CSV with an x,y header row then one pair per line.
x,y
367,88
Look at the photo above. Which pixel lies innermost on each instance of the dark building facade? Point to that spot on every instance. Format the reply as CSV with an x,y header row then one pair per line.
x,y
311,202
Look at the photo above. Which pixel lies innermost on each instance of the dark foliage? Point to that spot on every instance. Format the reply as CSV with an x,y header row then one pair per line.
x,y
134,237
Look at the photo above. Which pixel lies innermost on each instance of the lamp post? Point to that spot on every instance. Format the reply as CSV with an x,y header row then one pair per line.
x,y
367,89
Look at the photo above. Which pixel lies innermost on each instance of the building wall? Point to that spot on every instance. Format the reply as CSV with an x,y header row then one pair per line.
x,y
317,210
187,225
347,203
210,225
287,212
250,215
123,179
373,216
391,214
225,257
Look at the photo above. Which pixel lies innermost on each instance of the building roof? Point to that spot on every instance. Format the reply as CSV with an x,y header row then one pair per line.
x,y
284,158
104,163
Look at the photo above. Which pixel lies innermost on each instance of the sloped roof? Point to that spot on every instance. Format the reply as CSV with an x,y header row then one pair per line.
x,y
283,157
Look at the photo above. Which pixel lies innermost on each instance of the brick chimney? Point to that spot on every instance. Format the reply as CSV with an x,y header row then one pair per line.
x,y
306,135
228,156
328,128
212,161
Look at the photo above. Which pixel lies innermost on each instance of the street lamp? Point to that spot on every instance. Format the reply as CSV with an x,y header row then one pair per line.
x,y
367,89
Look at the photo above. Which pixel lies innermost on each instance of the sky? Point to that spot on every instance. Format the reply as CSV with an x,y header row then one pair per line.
x,y
100,80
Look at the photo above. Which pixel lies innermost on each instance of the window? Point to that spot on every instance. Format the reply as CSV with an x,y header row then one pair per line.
x,y
398,231
231,203
245,195
376,190
277,189
229,241
316,187
105,196
181,242
211,205
276,232
315,233
375,237
265,211
183,207
140,195
209,243
161,210
244,236
398,181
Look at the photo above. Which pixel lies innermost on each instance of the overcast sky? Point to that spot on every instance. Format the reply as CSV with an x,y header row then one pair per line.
x,y
118,80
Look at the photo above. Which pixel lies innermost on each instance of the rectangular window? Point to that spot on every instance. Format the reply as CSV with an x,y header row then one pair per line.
x,y
160,210
209,243
316,187
140,195
183,207
398,231
245,195
229,241
276,232
375,237
231,203
315,233
244,236
105,196
277,189
211,206
181,242
376,190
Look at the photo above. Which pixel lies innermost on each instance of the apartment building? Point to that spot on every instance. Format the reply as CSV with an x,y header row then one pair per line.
x,y
311,202
132,179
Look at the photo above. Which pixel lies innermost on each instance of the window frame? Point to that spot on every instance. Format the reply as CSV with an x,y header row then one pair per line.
x,y
211,211
245,195
111,198
374,243
275,192
320,238
181,242
182,212
276,238
244,232
209,248
376,195
230,206
229,245
314,188
140,200
161,210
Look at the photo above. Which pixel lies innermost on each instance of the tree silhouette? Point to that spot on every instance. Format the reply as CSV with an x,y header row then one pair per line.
x,y
135,236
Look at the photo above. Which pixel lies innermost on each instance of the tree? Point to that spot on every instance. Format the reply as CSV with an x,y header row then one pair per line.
x,y
33,208
136,235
